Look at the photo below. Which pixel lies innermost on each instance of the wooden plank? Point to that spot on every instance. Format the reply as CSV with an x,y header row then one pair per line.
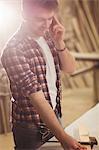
x,y
83,70
85,37
3,117
86,25
79,80
86,78
81,47
91,21
86,56
83,133
78,34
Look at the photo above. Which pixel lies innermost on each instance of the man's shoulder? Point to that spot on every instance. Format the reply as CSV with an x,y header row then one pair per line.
x,y
16,43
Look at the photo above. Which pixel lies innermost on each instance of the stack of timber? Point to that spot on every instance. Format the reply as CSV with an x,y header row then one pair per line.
x,y
80,18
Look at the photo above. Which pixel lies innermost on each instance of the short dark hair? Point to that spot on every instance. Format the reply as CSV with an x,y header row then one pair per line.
x,y
48,4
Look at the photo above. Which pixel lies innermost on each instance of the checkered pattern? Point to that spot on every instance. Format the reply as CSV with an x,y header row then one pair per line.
x,y
26,68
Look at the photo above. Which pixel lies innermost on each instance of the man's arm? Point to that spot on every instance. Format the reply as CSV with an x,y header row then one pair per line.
x,y
49,117
67,61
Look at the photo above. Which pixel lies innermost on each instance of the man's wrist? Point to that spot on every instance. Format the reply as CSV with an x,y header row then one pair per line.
x,y
61,46
61,50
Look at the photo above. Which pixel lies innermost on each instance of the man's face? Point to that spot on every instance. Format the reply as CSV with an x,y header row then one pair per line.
x,y
40,20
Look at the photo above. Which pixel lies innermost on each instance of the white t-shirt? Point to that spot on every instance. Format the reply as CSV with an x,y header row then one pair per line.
x,y
50,69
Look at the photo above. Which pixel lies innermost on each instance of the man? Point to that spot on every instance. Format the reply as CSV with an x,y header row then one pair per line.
x,y
33,59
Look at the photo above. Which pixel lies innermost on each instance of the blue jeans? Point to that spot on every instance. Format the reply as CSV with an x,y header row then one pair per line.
x,y
29,136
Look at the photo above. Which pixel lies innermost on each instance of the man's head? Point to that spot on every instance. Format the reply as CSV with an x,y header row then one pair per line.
x,y
39,14
47,4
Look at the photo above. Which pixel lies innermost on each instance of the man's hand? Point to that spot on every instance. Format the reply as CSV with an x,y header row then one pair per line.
x,y
57,31
72,144
67,61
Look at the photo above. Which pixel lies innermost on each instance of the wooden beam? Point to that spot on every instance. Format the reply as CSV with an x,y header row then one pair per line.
x,y
91,21
83,70
87,79
86,56
3,116
86,25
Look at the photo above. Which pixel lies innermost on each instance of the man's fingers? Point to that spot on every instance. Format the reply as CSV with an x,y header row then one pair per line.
x,y
56,21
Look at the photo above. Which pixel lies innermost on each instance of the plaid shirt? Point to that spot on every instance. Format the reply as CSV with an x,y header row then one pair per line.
x,y
26,68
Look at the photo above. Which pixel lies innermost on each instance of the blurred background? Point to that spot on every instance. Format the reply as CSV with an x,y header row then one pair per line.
x,y
81,89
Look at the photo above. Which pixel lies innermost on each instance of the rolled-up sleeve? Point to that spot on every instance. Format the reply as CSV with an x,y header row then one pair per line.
x,y
20,73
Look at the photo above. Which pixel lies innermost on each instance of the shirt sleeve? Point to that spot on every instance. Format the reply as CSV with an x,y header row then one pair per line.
x,y
20,73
